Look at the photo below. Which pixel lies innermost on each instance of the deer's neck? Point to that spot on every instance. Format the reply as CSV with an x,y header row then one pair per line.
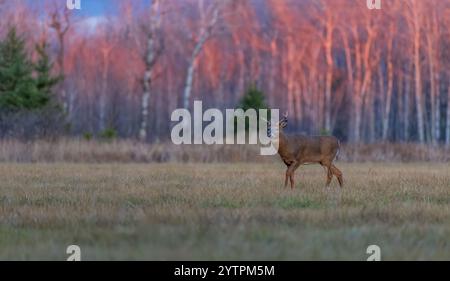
x,y
282,142
282,138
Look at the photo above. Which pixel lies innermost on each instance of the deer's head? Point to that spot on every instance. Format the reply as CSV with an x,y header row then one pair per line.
x,y
273,131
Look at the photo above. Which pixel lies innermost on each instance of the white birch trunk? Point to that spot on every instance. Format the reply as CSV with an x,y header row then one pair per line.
x,y
147,88
205,34
150,58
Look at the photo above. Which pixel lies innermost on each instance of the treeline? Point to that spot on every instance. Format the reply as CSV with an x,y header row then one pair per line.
x,y
336,66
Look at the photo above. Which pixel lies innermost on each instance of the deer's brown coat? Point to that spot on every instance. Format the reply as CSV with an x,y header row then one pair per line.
x,y
296,150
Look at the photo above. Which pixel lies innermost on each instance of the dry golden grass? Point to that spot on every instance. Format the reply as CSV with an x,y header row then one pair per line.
x,y
223,211
129,151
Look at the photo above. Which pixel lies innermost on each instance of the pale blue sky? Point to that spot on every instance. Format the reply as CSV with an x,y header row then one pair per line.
x,y
91,7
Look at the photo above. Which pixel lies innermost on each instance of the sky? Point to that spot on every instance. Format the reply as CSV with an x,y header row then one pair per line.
x,y
91,8
97,7
95,11
101,7
92,12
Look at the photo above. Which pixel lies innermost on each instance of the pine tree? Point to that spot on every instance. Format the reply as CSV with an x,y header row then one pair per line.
x,y
255,99
45,81
18,89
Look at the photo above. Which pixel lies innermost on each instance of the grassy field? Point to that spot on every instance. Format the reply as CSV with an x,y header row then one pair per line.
x,y
223,211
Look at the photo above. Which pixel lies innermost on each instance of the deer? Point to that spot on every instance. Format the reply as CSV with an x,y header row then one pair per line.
x,y
296,150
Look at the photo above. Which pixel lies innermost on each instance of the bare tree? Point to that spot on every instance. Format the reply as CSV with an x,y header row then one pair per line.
x,y
390,81
447,129
359,65
209,17
153,50
432,50
328,47
415,20
106,46
447,73
60,21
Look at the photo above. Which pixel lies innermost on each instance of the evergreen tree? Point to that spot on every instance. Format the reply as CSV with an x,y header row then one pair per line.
x,y
18,89
253,98
44,79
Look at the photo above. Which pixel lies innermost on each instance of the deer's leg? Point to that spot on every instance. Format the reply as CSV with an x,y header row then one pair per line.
x,y
329,176
327,166
286,179
338,174
290,173
294,167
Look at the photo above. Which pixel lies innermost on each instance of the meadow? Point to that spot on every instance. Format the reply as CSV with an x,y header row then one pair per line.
x,y
223,211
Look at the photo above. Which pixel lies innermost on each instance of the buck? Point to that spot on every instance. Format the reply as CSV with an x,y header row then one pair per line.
x,y
296,150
